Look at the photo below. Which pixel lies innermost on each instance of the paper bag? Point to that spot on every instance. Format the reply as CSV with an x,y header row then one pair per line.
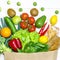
x,y
51,55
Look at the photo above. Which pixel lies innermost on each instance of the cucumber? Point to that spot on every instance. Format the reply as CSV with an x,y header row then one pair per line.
x,y
10,24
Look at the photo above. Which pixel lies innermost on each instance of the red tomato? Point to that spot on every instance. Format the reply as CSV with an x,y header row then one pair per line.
x,y
31,28
23,25
31,20
24,16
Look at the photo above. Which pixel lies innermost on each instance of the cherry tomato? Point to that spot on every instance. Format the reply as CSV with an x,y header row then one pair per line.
x,y
31,20
23,25
24,16
31,28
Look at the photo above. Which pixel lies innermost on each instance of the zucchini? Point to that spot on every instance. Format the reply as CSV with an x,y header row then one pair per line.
x,y
10,24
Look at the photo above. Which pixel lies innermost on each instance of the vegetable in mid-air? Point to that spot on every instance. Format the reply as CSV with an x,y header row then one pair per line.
x,y
53,20
5,32
8,2
18,3
40,21
20,9
31,28
43,39
42,8
56,12
16,19
34,3
34,12
10,24
31,20
15,44
11,12
24,16
44,29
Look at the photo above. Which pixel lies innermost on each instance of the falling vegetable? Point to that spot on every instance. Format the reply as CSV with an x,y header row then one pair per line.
x,y
34,12
42,8
15,44
53,20
34,3
56,12
8,2
18,4
20,9
11,12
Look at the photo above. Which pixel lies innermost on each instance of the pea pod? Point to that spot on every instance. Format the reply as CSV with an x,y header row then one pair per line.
x,y
40,21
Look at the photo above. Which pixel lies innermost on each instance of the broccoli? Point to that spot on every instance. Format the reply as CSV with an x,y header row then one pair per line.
x,y
3,47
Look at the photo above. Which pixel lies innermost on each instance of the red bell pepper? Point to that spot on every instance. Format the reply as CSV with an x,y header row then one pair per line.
x,y
44,29
15,44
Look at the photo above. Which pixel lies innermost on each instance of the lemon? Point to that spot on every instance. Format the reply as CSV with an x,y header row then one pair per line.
x,y
53,20
43,39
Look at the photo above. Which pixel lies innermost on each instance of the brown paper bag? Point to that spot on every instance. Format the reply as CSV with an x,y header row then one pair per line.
x,y
54,43
51,55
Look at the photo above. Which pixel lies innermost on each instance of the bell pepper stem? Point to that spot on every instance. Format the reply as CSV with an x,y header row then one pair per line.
x,y
19,50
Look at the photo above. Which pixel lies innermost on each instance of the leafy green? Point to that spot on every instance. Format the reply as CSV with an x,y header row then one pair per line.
x,y
2,40
35,47
3,47
26,36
